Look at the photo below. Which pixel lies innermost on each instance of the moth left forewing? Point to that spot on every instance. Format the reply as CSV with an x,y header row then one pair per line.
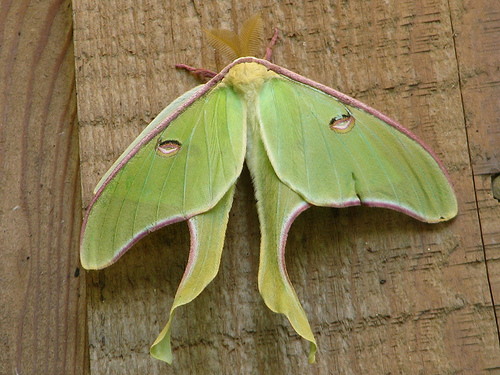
x,y
170,174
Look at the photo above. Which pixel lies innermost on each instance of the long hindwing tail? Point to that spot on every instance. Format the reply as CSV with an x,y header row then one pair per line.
x,y
277,206
207,240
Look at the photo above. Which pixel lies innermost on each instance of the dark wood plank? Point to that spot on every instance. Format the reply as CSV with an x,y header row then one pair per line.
x,y
42,294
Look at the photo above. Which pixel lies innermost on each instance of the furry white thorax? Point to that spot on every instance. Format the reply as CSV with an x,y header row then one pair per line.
x,y
247,79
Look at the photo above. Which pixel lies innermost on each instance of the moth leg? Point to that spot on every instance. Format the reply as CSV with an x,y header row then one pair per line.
x,y
201,74
269,48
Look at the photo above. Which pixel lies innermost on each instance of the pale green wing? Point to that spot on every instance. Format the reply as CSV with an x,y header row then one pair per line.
x,y
180,168
277,205
168,111
207,239
335,151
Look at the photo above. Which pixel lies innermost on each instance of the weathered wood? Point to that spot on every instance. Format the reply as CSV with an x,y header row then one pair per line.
x,y
477,38
384,293
42,293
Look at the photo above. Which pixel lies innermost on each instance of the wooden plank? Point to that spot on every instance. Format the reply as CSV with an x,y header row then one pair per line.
x,y
477,36
384,293
42,294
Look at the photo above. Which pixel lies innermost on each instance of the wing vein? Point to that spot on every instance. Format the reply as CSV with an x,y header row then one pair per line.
x,y
318,124
208,141
395,162
117,221
188,153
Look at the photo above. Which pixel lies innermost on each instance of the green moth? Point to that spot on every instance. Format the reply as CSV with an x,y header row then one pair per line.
x,y
304,143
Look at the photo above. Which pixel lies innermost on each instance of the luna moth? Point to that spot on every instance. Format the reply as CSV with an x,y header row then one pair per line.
x,y
304,143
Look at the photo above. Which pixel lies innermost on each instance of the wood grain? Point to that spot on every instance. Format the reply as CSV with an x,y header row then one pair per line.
x,y
477,39
384,293
42,294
